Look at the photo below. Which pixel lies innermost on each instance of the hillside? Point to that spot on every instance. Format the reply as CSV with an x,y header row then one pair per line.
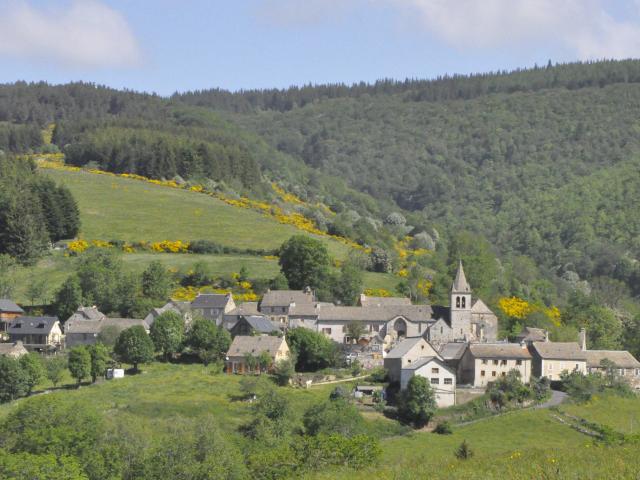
x,y
154,404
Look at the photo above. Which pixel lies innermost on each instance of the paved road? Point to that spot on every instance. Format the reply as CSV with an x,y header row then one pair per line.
x,y
557,397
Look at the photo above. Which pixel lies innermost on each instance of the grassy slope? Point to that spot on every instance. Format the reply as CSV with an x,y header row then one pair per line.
x,y
114,208
527,444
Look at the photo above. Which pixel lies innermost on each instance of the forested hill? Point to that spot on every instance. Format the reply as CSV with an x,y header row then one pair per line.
x,y
543,162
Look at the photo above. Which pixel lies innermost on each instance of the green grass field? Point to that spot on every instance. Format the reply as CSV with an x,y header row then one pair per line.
x,y
526,444
113,208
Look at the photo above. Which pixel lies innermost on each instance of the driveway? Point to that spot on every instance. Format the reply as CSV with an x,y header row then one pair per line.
x,y
557,397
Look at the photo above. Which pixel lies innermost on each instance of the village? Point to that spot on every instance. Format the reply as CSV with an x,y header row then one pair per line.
x,y
455,348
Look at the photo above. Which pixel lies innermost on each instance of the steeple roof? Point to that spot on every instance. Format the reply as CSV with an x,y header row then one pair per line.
x,y
460,284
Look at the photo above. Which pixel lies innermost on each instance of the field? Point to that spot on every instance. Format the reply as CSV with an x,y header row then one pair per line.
x,y
113,208
520,445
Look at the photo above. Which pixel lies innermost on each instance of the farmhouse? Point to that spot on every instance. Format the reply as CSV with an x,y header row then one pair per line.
x,y
213,306
623,363
366,301
277,304
253,325
37,333
230,318
407,352
529,335
8,311
86,314
551,359
13,350
86,332
441,378
483,363
181,308
244,347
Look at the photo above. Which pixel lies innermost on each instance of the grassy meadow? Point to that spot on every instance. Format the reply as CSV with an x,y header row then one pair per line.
x,y
528,444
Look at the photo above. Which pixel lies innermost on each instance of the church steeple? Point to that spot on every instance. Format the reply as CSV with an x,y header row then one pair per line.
x,y
460,284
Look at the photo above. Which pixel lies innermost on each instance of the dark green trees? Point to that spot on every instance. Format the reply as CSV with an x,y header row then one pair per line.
x,y
417,403
305,262
167,333
134,346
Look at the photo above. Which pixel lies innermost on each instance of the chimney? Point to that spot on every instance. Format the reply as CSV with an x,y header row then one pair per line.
x,y
546,335
582,339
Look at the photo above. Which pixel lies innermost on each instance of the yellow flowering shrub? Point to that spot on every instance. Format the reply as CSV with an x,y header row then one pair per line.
x,y
78,246
270,257
515,307
424,287
403,273
101,244
177,246
377,292
245,285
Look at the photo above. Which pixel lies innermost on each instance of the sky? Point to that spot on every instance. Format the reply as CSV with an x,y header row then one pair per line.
x,y
165,46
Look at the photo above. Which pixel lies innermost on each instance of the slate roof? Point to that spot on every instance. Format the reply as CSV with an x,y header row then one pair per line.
x,y
32,325
260,323
243,345
440,312
12,348
621,358
499,350
414,313
460,284
367,301
93,327
530,334
7,305
246,308
419,363
308,309
401,349
480,307
211,300
284,298
559,351
87,313
452,350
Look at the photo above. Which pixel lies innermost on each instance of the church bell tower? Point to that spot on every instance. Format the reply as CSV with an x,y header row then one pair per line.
x,y
460,305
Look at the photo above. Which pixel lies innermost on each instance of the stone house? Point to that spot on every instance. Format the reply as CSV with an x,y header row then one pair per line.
x,y
406,353
626,366
181,308
230,318
441,378
551,359
86,313
367,301
37,333
213,306
529,335
253,325
452,353
86,332
8,311
483,363
278,304
13,350
242,346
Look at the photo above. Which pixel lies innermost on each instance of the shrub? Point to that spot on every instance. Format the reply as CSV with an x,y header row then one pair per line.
x,y
417,404
443,428
464,452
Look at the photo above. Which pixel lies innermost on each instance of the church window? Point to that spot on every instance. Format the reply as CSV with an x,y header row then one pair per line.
x,y
464,301
441,330
457,302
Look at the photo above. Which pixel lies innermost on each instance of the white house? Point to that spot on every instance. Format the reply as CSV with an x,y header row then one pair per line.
x,y
441,378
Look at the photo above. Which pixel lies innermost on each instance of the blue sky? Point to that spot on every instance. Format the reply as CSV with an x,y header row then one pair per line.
x,y
170,45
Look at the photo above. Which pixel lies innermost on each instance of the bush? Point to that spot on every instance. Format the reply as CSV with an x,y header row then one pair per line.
x,y
417,404
378,375
464,452
443,428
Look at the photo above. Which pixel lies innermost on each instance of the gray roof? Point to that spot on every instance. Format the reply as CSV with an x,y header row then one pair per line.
x,y
559,351
12,348
211,300
414,313
308,309
243,345
460,284
32,325
260,323
453,350
367,301
246,308
7,305
621,358
499,350
401,349
480,307
530,334
95,327
284,298
423,361
87,313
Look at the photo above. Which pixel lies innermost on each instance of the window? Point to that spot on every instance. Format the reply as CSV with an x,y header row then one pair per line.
x,y
435,370
435,381
484,361
464,302
493,374
504,374
421,347
376,328
482,373
495,362
326,331
577,366
457,302
518,362
503,362
448,381
441,330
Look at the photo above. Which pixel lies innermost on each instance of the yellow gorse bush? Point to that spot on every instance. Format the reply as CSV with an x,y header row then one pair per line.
x,y
518,308
377,292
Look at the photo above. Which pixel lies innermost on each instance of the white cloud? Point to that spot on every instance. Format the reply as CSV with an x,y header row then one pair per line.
x,y
582,26
86,33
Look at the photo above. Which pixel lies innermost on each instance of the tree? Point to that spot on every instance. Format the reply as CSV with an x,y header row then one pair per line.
x,y
99,360
36,289
356,330
54,369
134,346
102,280
333,416
7,275
207,340
417,403
312,350
13,381
304,261
79,363
250,361
26,466
156,282
264,361
68,298
33,370
348,284
464,452
167,333
108,336
283,372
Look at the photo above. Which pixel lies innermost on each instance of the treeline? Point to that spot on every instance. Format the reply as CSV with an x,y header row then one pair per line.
x,y
19,138
570,76
34,211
